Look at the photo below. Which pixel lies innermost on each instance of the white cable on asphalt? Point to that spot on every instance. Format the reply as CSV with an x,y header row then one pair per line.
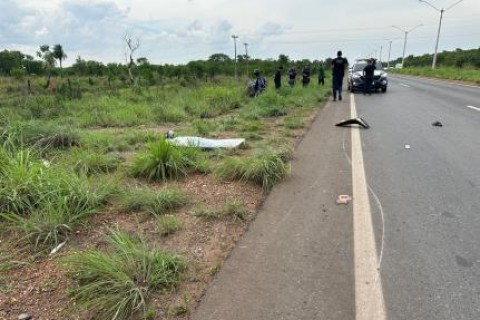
x,y
474,108
369,301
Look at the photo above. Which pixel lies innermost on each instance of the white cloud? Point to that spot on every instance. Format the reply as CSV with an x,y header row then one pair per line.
x,y
42,32
181,30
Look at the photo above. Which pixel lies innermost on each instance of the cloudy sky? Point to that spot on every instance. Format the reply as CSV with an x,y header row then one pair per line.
x,y
178,31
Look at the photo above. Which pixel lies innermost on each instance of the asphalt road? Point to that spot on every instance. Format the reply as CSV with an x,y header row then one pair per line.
x,y
429,195
296,261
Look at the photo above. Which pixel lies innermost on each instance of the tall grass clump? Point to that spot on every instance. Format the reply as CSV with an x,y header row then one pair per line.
x,y
164,161
265,168
169,224
155,202
232,208
41,135
88,162
47,226
117,284
44,202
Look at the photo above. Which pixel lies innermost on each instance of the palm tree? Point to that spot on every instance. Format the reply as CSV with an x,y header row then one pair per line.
x,y
59,54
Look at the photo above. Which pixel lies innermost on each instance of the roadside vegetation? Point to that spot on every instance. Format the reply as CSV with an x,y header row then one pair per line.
x,y
105,216
467,75
462,65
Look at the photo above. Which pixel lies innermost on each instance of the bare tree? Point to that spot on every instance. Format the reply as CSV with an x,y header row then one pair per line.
x,y
131,45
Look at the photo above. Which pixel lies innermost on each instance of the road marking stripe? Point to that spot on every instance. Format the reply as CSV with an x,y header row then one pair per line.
x,y
474,108
369,301
404,85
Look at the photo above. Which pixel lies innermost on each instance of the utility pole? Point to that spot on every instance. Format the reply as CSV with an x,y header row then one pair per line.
x,y
246,55
389,50
235,37
434,63
405,39
380,58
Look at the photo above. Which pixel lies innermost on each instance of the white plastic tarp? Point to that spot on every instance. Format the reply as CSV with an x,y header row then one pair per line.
x,y
205,143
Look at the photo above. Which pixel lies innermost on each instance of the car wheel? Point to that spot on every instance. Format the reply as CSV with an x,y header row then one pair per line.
x,y
384,89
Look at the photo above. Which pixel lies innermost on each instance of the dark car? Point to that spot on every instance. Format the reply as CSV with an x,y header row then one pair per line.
x,y
356,80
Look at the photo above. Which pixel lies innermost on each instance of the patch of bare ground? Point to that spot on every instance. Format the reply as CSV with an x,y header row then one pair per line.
x,y
40,287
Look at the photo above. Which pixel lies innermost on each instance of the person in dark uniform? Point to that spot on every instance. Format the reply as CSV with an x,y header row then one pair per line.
x,y
306,75
339,64
292,74
368,72
321,74
260,83
278,78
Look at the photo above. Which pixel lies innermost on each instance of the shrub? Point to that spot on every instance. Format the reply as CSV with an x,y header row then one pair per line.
x,y
164,161
117,284
265,169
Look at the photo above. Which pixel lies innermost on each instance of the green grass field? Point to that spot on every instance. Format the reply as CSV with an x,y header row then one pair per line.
x,y
74,160
468,75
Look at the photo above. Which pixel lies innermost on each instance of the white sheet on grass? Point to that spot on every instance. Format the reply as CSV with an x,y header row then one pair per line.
x,y
205,143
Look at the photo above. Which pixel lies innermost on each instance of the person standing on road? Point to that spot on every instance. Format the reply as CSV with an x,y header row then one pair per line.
x,y
321,74
278,78
368,72
292,74
339,64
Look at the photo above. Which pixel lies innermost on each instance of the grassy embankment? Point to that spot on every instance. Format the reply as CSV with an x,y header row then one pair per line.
x,y
468,75
87,167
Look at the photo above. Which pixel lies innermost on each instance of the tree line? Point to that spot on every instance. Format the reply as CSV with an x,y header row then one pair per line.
x,y
48,62
457,58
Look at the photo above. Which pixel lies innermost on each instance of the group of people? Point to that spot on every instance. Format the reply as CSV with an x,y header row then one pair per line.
x,y
260,83
339,65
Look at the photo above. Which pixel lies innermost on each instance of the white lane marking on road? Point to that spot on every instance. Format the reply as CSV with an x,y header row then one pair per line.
x,y
369,301
379,205
474,108
404,85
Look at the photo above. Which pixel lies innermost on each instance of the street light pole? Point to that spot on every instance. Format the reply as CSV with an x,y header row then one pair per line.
x,y
434,63
246,55
389,50
405,39
235,37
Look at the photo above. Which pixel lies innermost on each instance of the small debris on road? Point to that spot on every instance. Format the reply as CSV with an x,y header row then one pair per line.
x,y
407,146
358,120
437,124
344,199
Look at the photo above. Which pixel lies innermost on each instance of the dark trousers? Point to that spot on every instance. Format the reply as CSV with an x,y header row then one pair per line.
x,y
367,85
278,84
321,80
337,86
305,81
